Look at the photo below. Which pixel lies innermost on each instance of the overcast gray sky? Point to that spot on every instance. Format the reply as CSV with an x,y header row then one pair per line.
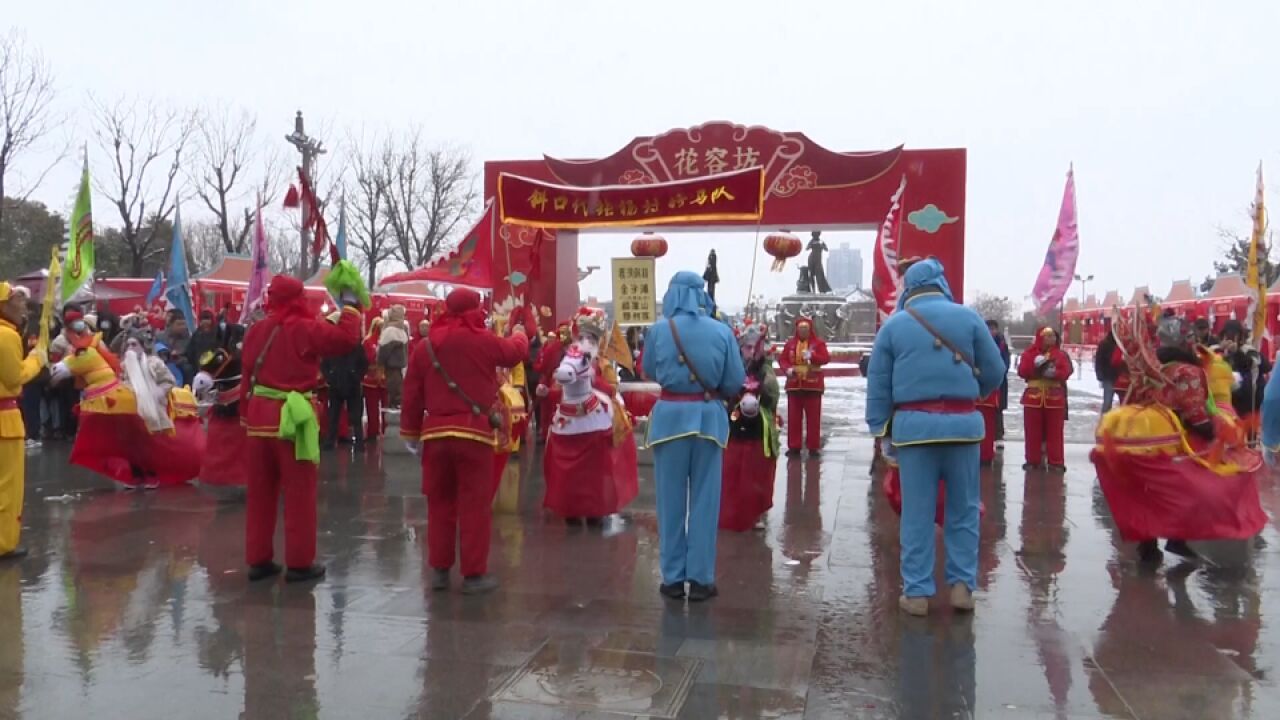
x,y
1164,107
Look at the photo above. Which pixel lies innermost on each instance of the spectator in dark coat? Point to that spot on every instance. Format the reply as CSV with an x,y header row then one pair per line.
x,y
1105,370
1003,345
344,374
1250,368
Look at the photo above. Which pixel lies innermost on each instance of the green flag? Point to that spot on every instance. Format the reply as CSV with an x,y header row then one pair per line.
x,y
79,266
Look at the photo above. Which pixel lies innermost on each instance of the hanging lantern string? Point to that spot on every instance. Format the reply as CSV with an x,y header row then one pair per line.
x,y
755,255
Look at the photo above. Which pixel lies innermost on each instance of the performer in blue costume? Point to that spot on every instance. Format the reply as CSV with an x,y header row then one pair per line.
x,y
696,360
1271,419
922,391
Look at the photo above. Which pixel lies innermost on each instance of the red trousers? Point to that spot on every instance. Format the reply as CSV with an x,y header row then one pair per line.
x,y
1044,426
804,419
273,472
459,502
374,399
987,450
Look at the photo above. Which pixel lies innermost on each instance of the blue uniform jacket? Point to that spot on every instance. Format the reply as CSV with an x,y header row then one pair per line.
x,y
909,366
1271,413
713,351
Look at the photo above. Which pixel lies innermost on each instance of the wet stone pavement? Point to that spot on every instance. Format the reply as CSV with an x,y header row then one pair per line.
x,y
136,606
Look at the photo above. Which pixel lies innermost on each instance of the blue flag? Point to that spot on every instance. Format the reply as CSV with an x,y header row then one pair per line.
x,y
157,287
342,231
179,292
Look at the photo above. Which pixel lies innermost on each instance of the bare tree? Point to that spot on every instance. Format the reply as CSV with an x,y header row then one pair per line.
x,y
429,192
26,109
139,138
204,244
228,155
368,226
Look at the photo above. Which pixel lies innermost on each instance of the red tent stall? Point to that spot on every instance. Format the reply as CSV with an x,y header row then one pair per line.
x,y
1227,299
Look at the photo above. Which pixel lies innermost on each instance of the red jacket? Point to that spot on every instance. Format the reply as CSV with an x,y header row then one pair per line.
x,y
1043,391
1122,370
292,363
808,375
375,376
471,358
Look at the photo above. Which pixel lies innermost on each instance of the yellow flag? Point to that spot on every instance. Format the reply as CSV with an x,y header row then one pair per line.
x,y
616,349
1255,279
46,307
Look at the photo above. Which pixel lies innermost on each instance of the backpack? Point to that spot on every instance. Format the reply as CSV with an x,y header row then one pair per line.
x,y
393,356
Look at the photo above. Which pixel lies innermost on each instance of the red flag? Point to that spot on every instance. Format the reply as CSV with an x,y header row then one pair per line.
x,y
885,279
470,264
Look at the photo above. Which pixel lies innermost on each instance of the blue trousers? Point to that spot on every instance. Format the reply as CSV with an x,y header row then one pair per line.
x,y
688,485
921,467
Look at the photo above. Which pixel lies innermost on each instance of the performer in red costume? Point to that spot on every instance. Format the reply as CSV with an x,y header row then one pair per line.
x,y
989,406
1045,367
453,380
548,395
281,362
802,360
374,383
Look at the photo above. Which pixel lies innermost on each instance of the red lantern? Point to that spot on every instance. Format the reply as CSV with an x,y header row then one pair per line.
x,y
782,245
649,245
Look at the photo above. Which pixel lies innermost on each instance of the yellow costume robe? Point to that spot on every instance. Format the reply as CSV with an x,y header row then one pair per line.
x,y
15,371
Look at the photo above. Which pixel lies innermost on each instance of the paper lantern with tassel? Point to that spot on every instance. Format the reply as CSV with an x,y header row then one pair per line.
x,y
783,246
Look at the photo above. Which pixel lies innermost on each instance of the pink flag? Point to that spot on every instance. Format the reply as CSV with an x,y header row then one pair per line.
x,y
886,281
260,273
1060,261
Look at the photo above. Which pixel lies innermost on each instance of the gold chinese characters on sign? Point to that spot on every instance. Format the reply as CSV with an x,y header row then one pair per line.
x,y
727,196
634,295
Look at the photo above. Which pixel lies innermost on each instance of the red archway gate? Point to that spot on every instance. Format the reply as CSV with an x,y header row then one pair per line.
x,y
805,186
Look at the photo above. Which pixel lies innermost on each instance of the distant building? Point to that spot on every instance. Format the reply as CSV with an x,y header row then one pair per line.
x,y
844,269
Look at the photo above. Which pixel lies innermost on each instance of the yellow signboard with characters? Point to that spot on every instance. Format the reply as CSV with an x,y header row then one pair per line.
x,y
634,294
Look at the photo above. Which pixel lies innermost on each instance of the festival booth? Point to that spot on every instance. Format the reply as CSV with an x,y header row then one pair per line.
x,y
1073,322
1182,299
1227,299
1095,325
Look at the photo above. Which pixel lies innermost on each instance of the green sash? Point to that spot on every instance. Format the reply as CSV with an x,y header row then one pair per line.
x,y
298,421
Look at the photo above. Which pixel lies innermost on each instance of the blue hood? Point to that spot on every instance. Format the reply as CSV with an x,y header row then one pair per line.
x,y
685,295
924,273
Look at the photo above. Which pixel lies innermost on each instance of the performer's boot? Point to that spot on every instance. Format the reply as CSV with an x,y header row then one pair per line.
x,y
295,575
699,592
1180,548
479,585
674,591
439,579
15,554
1149,552
262,572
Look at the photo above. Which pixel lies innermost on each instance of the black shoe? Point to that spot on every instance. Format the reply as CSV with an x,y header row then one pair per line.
x,y
439,579
1149,552
595,522
479,584
699,592
15,554
1180,548
1058,468
262,572
815,453
793,453
296,575
1029,466
675,591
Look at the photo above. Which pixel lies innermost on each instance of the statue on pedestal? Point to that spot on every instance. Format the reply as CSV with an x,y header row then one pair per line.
x,y
817,274
711,275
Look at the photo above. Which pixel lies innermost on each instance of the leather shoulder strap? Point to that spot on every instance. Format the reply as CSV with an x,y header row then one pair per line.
x,y
710,391
448,381
257,364
942,341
